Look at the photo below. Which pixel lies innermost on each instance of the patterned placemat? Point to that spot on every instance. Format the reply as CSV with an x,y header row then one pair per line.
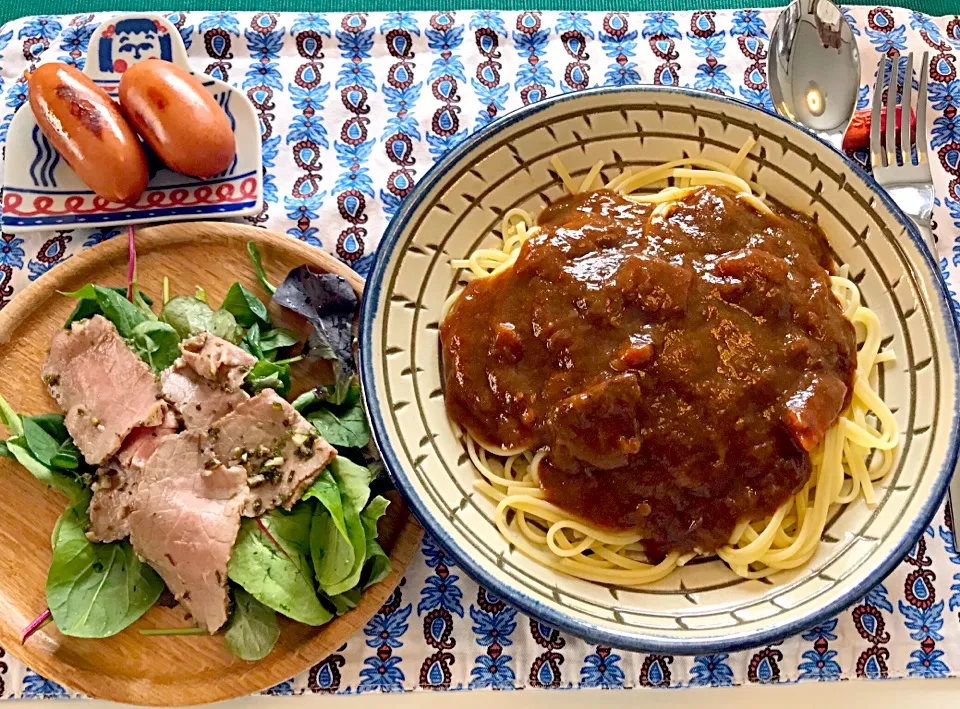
x,y
354,108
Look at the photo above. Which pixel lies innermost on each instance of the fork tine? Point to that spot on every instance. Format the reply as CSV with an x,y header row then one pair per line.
x,y
922,111
877,156
906,139
892,92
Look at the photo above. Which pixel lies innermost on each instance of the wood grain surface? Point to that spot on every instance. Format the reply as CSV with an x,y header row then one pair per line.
x,y
130,667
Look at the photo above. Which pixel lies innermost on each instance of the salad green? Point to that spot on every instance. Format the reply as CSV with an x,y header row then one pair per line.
x,y
310,563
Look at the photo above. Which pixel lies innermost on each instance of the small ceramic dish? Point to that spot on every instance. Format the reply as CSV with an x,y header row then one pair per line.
x,y
703,606
42,193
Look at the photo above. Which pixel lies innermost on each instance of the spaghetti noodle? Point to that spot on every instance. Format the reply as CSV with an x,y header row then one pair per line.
x,y
857,452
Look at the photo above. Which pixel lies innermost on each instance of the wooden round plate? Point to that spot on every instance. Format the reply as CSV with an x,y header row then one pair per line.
x,y
130,667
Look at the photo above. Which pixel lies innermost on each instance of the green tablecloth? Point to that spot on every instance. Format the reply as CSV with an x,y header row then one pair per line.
x,y
11,9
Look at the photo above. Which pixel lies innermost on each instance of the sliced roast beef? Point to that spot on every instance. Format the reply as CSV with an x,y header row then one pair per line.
x,y
204,384
216,359
199,401
281,452
185,520
117,479
104,389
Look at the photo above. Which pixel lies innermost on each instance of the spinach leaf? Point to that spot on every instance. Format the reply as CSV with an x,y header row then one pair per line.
x,y
377,564
339,548
190,316
64,482
346,397
277,339
47,449
328,303
269,375
326,490
281,578
10,419
157,343
332,534
253,251
354,482
345,601
18,448
96,590
252,630
251,341
4,451
346,429
245,307
52,424
115,307
338,559
306,400
89,306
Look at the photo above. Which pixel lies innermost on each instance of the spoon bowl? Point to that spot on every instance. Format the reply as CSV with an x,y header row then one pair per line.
x,y
813,68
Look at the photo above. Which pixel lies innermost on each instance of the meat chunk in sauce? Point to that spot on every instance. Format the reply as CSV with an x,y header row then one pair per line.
x,y
597,426
675,369
813,408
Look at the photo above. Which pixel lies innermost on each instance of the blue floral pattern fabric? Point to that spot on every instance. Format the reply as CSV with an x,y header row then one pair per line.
x,y
353,110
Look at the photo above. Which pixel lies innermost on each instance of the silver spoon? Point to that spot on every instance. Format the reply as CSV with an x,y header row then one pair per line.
x,y
813,68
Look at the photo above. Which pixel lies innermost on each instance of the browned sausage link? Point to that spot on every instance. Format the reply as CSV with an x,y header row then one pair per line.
x,y
86,127
178,118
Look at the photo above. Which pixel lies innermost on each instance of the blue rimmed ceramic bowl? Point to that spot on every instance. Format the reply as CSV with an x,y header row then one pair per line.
x,y
702,607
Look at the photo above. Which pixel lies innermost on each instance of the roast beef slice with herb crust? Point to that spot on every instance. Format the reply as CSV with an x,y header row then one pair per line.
x,y
199,401
104,389
204,384
280,450
216,359
117,480
184,523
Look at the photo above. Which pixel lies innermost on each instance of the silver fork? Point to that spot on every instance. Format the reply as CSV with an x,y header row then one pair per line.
x,y
909,183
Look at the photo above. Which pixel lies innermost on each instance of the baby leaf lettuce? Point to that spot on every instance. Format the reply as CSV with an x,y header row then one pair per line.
x,y
328,303
269,375
54,452
245,307
253,251
342,426
114,307
377,564
252,630
337,547
95,590
157,343
18,448
280,578
190,316
338,538
89,304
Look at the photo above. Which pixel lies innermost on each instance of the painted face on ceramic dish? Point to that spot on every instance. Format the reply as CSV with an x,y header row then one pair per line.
x,y
133,40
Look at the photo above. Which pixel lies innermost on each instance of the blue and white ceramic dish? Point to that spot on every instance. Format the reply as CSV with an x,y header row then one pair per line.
x,y
42,193
703,607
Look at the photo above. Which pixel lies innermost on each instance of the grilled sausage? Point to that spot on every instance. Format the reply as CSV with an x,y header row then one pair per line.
x,y
86,127
178,118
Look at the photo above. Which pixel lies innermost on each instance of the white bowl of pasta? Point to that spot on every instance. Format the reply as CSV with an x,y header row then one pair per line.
x,y
661,369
